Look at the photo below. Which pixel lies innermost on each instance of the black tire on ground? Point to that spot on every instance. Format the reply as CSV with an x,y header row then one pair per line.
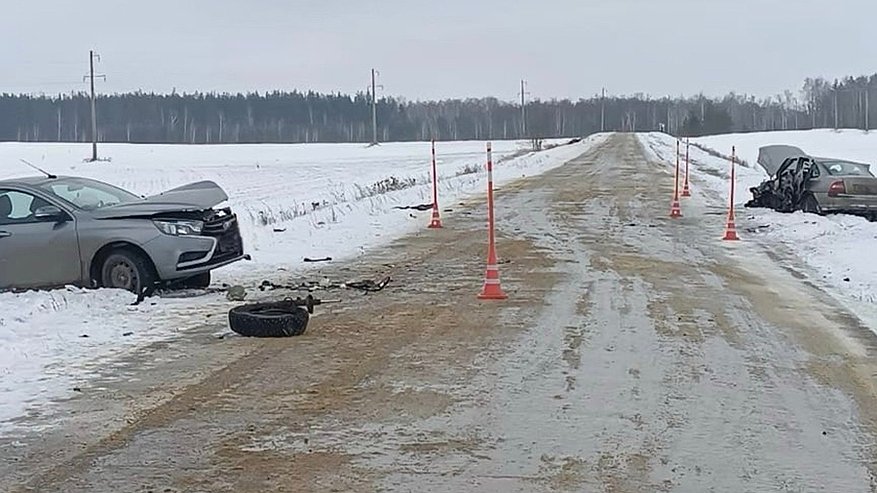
x,y
280,319
201,281
127,269
810,205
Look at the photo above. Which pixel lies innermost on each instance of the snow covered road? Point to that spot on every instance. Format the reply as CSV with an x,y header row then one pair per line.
x,y
50,342
636,353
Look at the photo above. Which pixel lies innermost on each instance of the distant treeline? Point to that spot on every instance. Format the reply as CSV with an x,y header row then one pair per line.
x,y
312,117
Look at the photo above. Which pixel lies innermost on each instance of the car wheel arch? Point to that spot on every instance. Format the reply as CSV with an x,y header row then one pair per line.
x,y
97,260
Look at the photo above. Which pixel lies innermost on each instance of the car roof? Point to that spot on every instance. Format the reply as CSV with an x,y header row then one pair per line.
x,y
36,181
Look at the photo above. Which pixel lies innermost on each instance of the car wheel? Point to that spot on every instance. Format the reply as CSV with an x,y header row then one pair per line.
x,y
127,269
280,319
810,205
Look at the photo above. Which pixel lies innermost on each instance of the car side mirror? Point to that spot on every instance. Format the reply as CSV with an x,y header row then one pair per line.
x,y
50,213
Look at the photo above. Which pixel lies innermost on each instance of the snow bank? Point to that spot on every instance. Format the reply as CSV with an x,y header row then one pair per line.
x,y
293,200
833,251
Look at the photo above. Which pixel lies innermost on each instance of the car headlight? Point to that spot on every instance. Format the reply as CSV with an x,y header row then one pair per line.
x,y
179,228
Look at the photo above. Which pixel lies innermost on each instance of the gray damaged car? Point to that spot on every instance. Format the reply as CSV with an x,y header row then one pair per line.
x,y
57,231
817,185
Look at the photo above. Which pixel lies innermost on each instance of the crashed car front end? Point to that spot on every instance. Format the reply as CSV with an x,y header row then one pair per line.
x,y
190,236
194,242
765,196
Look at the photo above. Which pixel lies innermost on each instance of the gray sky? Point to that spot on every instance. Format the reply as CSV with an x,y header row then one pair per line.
x,y
437,49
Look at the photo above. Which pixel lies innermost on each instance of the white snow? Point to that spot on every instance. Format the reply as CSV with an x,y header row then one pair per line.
x,y
273,189
832,251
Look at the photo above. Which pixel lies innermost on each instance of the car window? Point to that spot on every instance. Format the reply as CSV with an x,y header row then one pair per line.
x,y
87,194
19,207
846,168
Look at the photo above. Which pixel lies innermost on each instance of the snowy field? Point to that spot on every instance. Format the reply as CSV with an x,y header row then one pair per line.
x,y
294,201
832,251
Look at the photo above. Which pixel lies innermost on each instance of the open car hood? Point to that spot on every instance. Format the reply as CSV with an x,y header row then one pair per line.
x,y
772,157
197,196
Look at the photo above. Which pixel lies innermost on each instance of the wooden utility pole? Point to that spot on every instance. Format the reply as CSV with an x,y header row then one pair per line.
x,y
90,77
867,110
603,110
523,110
374,110
836,115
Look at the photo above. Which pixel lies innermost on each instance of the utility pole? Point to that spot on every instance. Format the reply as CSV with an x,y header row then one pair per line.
x,y
603,110
867,110
374,109
90,77
669,121
836,116
523,110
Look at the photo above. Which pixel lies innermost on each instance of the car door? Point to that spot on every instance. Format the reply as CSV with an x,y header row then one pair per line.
x,y
35,253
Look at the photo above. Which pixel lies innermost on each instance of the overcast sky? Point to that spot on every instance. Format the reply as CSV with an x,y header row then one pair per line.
x,y
437,49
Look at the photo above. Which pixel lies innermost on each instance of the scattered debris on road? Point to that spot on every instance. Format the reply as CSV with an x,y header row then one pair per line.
x,y
368,285
421,207
315,260
236,293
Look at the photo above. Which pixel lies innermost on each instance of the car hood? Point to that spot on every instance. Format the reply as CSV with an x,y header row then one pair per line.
x,y
197,196
772,157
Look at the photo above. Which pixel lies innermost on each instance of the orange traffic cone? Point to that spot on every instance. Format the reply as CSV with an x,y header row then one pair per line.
x,y
686,191
731,229
492,289
675,208
436,222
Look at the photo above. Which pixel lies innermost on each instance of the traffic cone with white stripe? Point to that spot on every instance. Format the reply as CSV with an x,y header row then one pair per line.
x,y
731,227
675,208
492,288
436,222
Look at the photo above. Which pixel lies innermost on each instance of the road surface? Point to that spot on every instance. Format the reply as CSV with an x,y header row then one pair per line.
x,y
636,353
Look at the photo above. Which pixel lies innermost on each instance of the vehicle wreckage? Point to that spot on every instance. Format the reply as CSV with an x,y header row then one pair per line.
x,y
815,185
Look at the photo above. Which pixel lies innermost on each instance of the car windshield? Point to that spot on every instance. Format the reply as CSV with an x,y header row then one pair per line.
x,y
846,168
88,195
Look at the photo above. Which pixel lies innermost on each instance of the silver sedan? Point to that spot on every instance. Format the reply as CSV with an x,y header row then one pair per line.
x,y
57,231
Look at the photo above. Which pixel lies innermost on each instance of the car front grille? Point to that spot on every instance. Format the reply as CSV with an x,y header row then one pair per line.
x,y
223,225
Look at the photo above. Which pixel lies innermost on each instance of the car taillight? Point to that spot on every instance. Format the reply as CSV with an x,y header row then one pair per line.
x,y
837,188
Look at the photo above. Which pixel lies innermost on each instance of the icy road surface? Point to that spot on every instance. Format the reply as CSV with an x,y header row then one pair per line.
x,y
636,354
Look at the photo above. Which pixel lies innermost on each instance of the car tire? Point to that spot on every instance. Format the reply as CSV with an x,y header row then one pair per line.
x,y
280,319
201,281
810,205
127,269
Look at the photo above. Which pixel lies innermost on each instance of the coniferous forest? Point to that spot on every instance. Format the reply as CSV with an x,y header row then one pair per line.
x,y
312,117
